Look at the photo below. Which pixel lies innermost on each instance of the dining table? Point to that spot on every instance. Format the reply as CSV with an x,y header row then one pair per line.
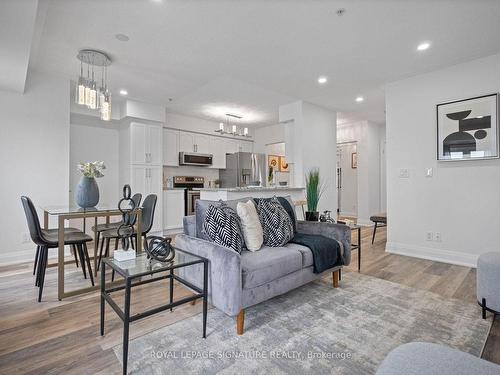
x,y
66,213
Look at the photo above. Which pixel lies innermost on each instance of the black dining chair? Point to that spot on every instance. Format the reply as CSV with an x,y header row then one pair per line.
x,y
148,213
99,228
46,240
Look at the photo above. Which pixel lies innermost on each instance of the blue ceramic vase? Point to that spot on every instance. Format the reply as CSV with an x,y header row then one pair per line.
x,y
87,193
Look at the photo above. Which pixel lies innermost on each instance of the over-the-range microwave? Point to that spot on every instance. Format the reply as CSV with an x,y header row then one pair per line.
x,y
190,158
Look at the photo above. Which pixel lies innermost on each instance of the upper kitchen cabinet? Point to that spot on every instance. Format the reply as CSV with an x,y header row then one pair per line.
x,y
145,144
191,142
202,144
171,147
219,153
186,142
246,146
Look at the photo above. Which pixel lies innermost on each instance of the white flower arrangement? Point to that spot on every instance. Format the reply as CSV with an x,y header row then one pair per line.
x,y
92,169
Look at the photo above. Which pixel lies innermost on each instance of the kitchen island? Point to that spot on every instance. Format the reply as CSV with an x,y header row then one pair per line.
x,y
227,194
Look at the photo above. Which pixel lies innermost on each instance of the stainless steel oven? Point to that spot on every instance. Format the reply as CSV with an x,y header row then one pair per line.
x,y
192,158
189,183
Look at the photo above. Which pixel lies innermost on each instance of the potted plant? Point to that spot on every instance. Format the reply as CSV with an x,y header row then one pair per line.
x,y
87,191
314,191
270,176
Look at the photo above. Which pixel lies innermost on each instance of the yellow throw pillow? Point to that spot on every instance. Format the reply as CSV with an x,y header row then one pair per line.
x,y
250,225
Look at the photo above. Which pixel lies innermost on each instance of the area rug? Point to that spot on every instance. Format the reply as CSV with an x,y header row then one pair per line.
x,y
313,329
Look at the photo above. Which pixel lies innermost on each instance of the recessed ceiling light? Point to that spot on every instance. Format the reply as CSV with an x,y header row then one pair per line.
x,y
322,80
122,37
123,92
359,99
423,46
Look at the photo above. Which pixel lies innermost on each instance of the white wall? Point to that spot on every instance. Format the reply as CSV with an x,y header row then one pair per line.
x,y
461,201
95,143
310,133
34,150
268,135
368,137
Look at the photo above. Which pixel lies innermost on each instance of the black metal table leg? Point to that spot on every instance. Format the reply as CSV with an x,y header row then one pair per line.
x,y
103,281
126,323
171,287
205,295
359,249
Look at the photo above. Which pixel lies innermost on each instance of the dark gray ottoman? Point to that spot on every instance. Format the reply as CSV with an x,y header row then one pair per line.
x,y
488,282
420,358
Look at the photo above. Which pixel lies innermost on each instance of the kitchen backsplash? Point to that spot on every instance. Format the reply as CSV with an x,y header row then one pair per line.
x,y
170,172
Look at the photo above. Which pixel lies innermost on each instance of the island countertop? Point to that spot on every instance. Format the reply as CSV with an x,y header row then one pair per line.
x,y
226,194
250,189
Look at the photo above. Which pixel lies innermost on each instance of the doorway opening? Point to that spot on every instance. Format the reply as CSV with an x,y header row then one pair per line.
x,y
347,180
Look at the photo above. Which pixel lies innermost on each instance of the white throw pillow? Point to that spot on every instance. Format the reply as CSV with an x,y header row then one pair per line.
x,y
250,225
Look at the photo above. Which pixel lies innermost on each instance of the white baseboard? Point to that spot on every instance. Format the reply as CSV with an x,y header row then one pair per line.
x,y
438,255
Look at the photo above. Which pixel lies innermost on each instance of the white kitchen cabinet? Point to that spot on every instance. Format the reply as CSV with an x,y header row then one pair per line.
x,y
202,144
145,144
171,147
186,142
246,146
219,153
232,146
173,209
149,180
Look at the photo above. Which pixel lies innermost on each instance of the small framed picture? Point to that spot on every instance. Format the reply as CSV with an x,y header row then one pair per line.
x,y
284,167
468,129
354,160
273,161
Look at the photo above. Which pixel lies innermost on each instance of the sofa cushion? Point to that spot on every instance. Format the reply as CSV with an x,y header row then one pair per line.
x,y
250,225
307,257
222,225
276,223
268,264
201,207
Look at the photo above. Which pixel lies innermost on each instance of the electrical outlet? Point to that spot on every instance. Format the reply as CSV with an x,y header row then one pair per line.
x,y
429,236
25,237
437,237
404,173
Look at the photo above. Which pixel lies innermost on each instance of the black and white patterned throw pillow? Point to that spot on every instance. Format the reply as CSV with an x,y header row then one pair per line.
x,y
222,225
277,225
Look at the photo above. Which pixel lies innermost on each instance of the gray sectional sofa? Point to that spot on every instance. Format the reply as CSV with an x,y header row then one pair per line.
x,y
238,281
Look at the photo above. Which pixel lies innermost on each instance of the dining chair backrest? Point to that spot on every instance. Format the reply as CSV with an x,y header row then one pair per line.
x,y
136,198
148,213
33,221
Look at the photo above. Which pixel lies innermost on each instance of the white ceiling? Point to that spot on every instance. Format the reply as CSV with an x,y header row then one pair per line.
x,y
250,56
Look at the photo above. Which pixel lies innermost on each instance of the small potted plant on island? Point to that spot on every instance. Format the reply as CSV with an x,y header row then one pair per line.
x,y
314,191
87,191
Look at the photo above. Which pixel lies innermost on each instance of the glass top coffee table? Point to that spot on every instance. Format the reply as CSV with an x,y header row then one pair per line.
x,y
133,271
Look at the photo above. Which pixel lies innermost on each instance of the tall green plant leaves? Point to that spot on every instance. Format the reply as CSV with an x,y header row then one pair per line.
x,y
314,189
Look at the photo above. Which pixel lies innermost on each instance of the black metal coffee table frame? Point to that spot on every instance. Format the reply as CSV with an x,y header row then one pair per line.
x,y
125,314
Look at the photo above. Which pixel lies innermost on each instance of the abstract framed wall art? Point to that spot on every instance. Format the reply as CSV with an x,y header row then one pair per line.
x,y
468,129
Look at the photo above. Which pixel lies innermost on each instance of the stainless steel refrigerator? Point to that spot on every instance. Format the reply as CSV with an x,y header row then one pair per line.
x,y
244,169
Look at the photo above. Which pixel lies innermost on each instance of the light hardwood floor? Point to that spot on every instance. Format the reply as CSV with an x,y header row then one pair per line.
x,y
63,337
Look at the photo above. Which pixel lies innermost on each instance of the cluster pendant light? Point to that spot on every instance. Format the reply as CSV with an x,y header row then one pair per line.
x,y
87,91
233,129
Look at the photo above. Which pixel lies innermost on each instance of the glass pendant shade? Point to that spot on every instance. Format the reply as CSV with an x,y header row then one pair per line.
x,y
106,107
87,95
93,96
80,91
